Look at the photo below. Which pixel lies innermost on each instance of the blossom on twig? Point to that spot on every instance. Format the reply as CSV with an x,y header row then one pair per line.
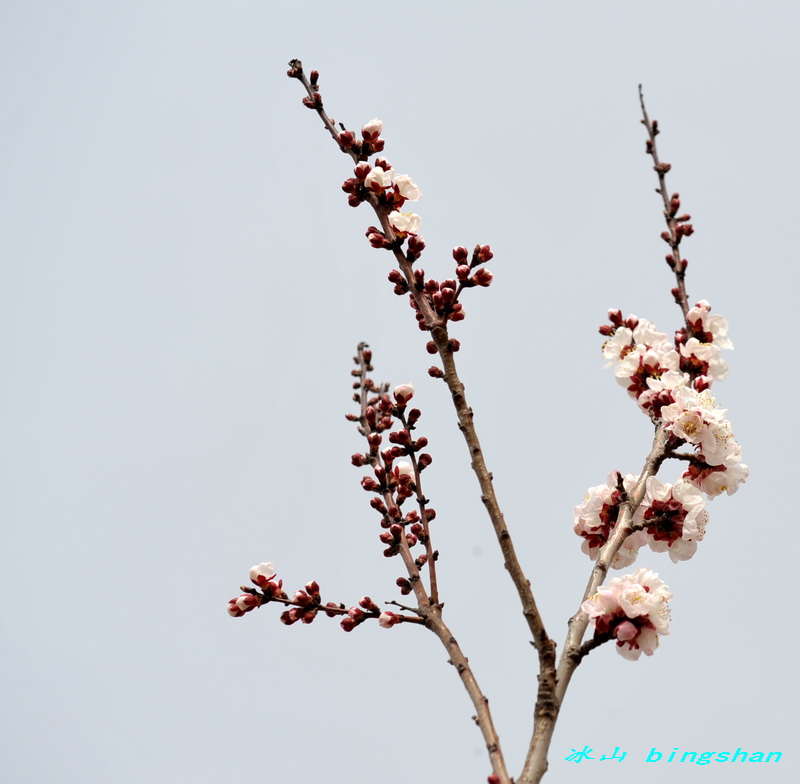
x,y
633,609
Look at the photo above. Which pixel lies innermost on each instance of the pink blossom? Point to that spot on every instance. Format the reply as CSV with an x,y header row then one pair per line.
x,y
672,517
708,328
632,609
242,604
596,517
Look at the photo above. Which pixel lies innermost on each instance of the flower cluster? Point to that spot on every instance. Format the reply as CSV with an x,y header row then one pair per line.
x,y
694,418
596,517
700,342
391,190
650,365
672,518
633,610
388,192
263,576
670,380
305,605
357,615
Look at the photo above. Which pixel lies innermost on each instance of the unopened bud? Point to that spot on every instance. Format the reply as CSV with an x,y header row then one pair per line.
x,y
485,253
460,254
483,277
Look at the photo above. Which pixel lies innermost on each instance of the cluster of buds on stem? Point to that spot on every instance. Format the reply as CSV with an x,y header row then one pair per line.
x,y
267,588
357,615
394,480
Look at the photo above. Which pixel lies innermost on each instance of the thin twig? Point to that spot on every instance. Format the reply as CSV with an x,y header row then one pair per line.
x,y
438,329
677,225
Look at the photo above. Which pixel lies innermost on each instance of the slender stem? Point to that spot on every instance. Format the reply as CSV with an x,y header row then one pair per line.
x,y
430,554
429,609
432,612
573,651
438,328
671,204
483,717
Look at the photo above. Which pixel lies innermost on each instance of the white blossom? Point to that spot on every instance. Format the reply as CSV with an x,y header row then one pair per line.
x,y
407,188
404,222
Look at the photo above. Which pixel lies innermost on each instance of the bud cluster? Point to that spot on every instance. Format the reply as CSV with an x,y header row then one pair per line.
x,y
306,603
357,615
650,365
389,189
396,471
388,192
267,589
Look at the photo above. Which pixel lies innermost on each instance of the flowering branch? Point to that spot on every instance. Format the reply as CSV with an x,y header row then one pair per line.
x,y
396,482
433,313
668,378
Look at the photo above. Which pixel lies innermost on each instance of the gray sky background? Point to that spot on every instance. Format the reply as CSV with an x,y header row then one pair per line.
x,y
184,286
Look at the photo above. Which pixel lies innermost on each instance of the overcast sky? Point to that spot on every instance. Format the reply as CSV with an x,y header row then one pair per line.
x,y
184,287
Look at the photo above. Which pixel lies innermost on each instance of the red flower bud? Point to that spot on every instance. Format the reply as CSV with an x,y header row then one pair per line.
x,y
485,253
460,254
483,277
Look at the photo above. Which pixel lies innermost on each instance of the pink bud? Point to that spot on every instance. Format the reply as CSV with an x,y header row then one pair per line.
x,y
368,604
362,170
701,383
388,619
372,130
261,573
403,468
626,631
403,393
